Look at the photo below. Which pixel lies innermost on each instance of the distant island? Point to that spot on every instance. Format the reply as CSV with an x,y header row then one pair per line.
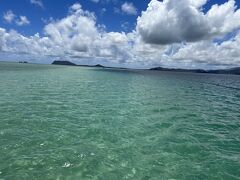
x,y
24,62
235,71
68,63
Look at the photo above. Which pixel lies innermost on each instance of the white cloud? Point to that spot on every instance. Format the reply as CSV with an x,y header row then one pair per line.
x,y
198,3
173,21
129,8
78,27
224,18
76,7
9,16
78,36
37,3
14,42
206,52
23,20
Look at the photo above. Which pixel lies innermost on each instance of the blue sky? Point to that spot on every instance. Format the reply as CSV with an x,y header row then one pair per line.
x,y
139,26
111,19
58,9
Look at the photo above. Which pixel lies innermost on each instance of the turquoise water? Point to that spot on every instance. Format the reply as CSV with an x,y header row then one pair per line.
x,y
60,122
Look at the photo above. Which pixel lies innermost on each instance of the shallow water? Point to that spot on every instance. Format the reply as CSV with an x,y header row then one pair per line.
x,y
60,122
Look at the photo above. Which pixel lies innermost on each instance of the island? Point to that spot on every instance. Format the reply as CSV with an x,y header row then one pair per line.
x,y
23,62
68,63
235,71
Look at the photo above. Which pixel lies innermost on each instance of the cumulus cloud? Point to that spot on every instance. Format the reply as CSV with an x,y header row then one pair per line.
x,y
129,8
23,20
206,52
37,3
9,16
174,21
13,42
75,32
78,36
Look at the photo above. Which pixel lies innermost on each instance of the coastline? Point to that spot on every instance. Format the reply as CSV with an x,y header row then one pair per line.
x,y
230,71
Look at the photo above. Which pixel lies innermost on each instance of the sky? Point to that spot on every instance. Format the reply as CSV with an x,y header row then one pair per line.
x,y
138,33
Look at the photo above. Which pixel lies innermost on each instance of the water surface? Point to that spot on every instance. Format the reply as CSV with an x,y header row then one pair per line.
x,y
61,122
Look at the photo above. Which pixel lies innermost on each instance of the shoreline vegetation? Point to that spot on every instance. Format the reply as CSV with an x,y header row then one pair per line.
x,y
234,71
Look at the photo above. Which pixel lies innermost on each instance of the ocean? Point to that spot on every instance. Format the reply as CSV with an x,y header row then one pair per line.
x,y
63,122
